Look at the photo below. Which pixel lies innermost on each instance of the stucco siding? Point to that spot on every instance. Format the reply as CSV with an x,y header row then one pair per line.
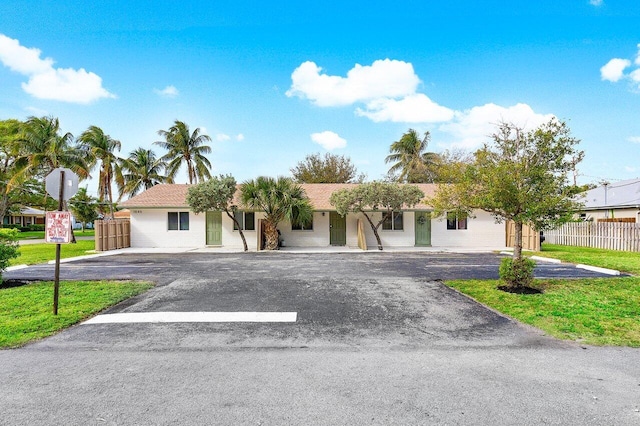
x,y
149,228
612,213
482,231
317,237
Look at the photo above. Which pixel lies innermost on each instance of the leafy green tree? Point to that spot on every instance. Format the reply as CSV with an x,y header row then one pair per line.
x,y
328,169
522,177
102,149
9,135
84,207
140,171
410,160
216,194
9,248
371,197
43,149
279,199
186,147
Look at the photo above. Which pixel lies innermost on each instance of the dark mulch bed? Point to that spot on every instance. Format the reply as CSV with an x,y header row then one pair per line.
x,y
15,283
520,290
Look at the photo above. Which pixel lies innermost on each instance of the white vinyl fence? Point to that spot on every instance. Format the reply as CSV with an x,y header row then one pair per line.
x,y
623,236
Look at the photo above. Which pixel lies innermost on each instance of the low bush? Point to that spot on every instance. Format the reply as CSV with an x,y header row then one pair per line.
x,y
8,248
517,272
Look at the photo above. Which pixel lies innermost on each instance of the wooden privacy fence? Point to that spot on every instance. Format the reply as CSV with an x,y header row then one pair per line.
x,y
623,236
530,237
112,234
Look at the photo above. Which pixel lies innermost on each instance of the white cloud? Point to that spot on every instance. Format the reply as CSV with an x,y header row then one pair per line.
x,y
328,140
47,82
634,139
239,137
221,137
614,69
473,127
168,92
630,169
36,111
416,108
382,79
596,3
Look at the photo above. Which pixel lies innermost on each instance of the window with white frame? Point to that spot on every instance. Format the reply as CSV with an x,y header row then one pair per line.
x,y
247,221
456,221
178,221
393,222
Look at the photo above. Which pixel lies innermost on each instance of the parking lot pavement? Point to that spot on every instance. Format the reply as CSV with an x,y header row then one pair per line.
x,y
378,339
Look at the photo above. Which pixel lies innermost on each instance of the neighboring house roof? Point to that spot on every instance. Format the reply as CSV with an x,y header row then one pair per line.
x,y
122,214
623,194
175,195
30,211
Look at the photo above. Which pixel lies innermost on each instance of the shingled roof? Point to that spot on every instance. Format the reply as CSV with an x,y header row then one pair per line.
x,y
175,196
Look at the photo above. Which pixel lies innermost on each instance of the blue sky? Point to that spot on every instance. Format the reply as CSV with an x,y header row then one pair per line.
x,y
271,83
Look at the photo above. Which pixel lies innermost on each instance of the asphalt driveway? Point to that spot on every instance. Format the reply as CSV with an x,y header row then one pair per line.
x,y
378,340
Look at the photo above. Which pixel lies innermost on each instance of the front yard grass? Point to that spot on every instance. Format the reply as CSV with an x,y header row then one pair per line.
x,y
625,261
26,312
597,311
32,254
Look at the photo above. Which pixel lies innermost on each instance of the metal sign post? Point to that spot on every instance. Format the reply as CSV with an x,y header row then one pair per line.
x,y
59,223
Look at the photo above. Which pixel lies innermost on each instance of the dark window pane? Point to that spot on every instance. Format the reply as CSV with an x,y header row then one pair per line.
x,y
250,221
397,221
184,221
173,221
238,216
462,223
387,225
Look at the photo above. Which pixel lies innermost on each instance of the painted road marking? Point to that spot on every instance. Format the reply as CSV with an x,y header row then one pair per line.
x,y
155,317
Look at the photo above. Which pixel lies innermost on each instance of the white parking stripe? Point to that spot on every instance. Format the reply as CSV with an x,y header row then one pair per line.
x,y
155,317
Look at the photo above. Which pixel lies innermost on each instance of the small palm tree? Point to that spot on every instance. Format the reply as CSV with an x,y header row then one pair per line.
x,y
188,148
411,162
44,149
280,199
101,148
140,171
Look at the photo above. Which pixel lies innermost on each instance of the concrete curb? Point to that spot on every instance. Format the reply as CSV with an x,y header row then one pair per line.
x,y
16,267
88,256
598,269
545,259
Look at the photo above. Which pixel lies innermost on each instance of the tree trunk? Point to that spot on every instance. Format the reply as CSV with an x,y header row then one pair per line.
x,y
375,230
271,236
517,246
244,241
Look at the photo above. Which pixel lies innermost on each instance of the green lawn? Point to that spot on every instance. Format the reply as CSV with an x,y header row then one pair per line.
x,y
31,254
26,312
599,311
39,235
624,261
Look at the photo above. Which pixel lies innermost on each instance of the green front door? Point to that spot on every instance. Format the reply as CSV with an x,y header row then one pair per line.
x,y
337,229
214,228
423,228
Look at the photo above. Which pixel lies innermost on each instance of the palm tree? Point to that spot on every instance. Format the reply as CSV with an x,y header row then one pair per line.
x,y
280,199
140,171
410,160
101,148
188,148
44,149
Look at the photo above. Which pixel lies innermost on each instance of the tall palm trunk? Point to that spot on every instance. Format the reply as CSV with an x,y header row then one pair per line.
x,y
271,236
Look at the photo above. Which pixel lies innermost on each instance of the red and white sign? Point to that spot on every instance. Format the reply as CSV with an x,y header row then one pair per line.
x,y
58,228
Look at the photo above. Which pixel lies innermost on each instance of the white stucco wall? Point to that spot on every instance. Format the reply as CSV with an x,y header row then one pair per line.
x,y
149,228
482,231
615,213
232,239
